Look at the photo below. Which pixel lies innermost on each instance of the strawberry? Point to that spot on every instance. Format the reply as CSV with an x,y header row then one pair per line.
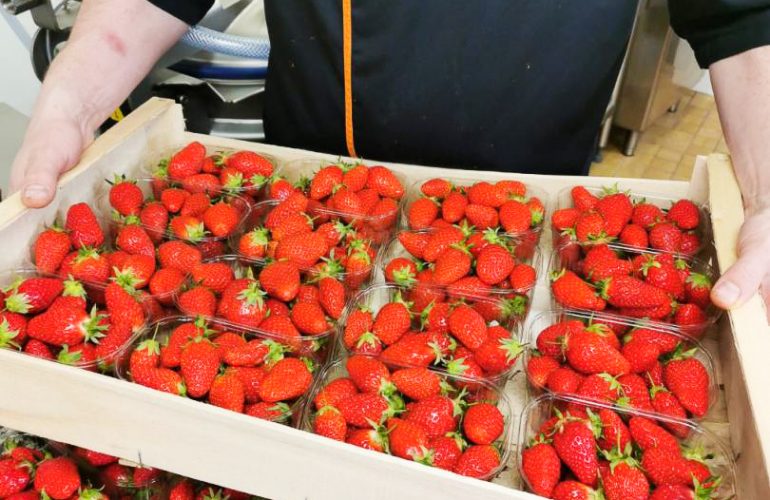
x,y
393,320
601,263
666,466
666,237
178,255
325,181
664,277
539,368
95,458
83,227
575,444
616,209
401,271
589,228
199,366
417,383
66,325
243,303
468,326
588,354
436,188
478,461
309,318
173,199
667,404
202,183
574,490
614,433
453,264
33,295
422,213
635,393
256,168
50,248
385,182
382,215
646,215
552,339
522,278
227,392
125,196
483,423
332,296
684,214
369,439
14,477
213,275
330,423
627,291
221,219
253,244
564,218
413,349
634,236
361,410
571,291
13,330
439,241
690,244
515,217
188,161
624,480
541,467
698,290
188,228
39,349
407,440
493,264
90,266
197,301
688,380
583,199
281,280
564,380
58,478
690,315
368,374
679,492
481,217
647,434
486,194
599,387
437,415
453,207
497,355
335,392
288,379
195,205
445,451
302,249
642,356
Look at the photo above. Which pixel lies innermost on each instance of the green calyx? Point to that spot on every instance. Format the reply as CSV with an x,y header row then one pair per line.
x,y
73,288
18,303
252,295
195,232
404,276
126,278
152,347
258,180
615,457
330,268
515,307
7,336
94,326
698,280
84,254
234,181
283,410
67,357
275,352
512,348
259,237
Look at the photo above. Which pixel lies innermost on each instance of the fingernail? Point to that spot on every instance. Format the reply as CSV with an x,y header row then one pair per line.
x,y
35,192
727,292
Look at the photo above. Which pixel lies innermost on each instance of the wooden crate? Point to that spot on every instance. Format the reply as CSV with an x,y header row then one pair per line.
x,y
274,461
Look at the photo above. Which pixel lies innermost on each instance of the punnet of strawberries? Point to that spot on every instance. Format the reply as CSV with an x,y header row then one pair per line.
x,y
285,231
413,413
643,368
150,212
605,215
261,375
272,297
573,450
461,261
367,197
469,338
196,169
659,287
66,320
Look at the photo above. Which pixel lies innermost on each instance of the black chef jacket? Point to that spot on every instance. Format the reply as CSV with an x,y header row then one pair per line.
x,y
511,85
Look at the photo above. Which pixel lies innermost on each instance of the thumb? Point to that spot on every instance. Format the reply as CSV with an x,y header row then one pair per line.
x,y
742,279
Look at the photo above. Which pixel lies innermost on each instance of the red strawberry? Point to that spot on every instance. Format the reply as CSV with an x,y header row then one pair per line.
x,y
253,244
583,199
646,215
665,236
33,295
483,423
486,194
369,439
589,354
453,207
332,296
196,205
281,280
647,434
417,383
309,318
83,227
221,219
251,378
573,490
599,387
589,227
564,218
541,467
14,477
616,209
601,263
197,301
468,326
564,380
50,248
202,183
385,182
634,236
453,264
335,392
667,404
642,356
691,316
188,228
539,368
436,188
125,196
227,392
188,161
493,264
414,242
552,339
416,349
178,255
302,249
330,423
698,290
688,380
515,217
58,478
243,303
635,393
90,266
173,199
393,320
368,374
445,451
523,278
575,444
666,466
199,367
401,271
571,291
422,213
66,325
360,410
255,168
627,291
478,461
481,217
624,480
288,379
213,275
437,415
496,355
614,433
690,244
684,214
439,241
407,440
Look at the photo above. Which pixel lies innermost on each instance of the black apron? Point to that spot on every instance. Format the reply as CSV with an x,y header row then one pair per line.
x,y
511,85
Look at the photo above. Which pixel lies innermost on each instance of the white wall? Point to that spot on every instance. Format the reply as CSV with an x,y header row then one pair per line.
x,y
18,84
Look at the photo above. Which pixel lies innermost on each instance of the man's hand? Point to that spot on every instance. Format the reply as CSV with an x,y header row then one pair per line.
x,y
48,150
752,270
101,64
742,89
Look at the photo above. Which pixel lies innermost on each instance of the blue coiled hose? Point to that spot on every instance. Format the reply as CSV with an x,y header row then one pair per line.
x,y
221,43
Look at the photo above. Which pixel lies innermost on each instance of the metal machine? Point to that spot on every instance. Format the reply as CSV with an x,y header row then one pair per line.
x,y
217,71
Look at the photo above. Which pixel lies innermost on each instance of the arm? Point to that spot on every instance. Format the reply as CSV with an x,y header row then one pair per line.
x,y
742,87
113,45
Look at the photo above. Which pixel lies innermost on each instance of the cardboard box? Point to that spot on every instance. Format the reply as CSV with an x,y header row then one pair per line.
x,y
237,451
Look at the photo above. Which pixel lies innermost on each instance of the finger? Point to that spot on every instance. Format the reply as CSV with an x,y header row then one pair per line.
x,y
41,171
741,280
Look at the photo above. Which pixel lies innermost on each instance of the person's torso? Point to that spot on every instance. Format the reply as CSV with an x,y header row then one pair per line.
x,y
515,85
